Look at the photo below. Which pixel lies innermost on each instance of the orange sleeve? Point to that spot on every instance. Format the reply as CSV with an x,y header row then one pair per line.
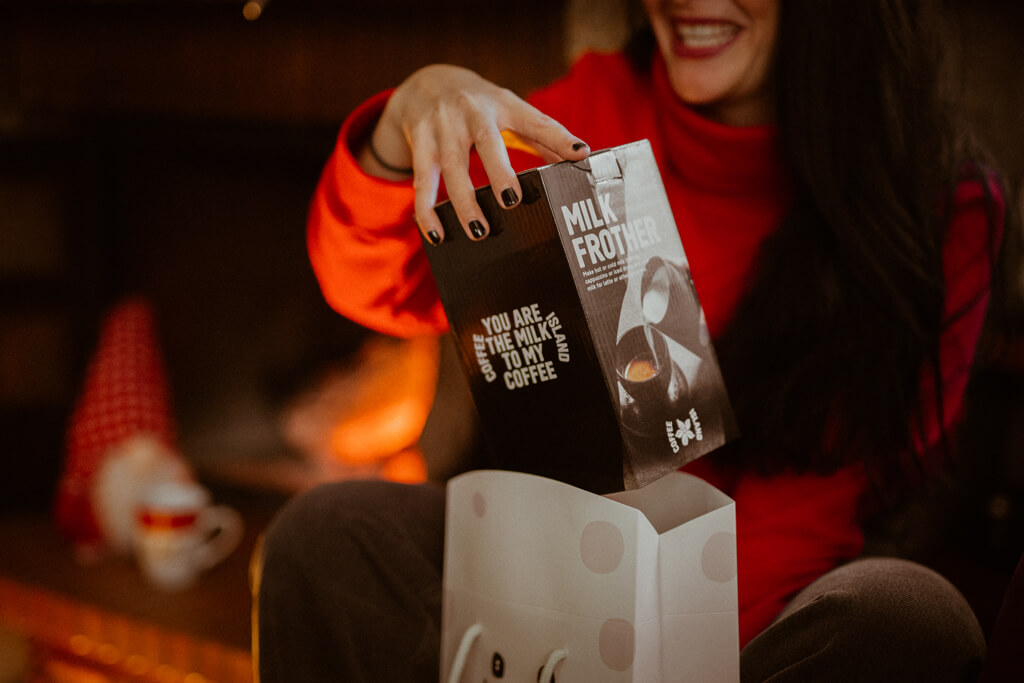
x,y
363,242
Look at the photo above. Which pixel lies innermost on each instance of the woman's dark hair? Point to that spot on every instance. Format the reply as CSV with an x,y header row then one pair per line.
x,y
825,354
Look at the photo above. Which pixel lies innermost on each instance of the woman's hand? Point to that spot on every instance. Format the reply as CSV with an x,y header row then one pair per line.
x,y
430,124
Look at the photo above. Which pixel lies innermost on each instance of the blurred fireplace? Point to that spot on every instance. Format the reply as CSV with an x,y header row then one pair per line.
x,y
171,148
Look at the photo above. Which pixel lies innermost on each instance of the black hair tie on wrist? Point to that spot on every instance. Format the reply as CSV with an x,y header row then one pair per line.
x,y
386,165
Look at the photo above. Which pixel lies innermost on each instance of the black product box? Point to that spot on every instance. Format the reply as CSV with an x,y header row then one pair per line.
x,y
580,329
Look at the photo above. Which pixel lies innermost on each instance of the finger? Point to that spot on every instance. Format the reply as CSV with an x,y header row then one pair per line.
x,y
454,163
532,124
490,147
426,182
538,149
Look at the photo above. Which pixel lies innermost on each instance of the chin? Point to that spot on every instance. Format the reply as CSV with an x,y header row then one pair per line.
x,y
694,91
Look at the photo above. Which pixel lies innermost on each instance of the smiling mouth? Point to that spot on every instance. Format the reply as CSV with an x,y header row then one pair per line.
x,y
704,36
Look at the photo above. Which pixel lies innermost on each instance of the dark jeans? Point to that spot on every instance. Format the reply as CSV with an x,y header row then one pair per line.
x,y
350,590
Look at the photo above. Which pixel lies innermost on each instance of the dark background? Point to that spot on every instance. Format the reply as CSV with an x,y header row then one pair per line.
x,y
171,147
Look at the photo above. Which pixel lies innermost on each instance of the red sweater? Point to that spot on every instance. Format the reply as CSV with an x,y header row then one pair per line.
x,y
728,189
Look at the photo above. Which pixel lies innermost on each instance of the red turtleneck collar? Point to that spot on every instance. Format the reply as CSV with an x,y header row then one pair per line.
x,y
717,158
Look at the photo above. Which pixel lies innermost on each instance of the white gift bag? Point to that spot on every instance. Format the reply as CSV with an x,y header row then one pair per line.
x,y
547,582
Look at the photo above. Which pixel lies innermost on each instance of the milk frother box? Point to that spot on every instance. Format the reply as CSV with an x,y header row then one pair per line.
x,y
580,329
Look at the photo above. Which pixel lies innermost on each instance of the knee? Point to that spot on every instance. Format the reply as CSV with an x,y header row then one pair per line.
x,y
318,522
353,527
904,612
905,596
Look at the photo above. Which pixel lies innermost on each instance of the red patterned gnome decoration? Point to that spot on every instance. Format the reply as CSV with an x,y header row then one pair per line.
x,y
120,437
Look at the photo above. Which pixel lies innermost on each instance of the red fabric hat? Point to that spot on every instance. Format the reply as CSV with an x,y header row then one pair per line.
x,y
125,395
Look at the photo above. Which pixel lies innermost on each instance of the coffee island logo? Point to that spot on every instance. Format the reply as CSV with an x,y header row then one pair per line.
x,y
682,432
523,344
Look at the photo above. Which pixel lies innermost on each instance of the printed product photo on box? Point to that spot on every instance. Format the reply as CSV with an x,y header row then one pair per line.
x,y
580,329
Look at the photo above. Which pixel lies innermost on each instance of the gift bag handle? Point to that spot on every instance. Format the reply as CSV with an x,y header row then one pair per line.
x,y
470,636
548,672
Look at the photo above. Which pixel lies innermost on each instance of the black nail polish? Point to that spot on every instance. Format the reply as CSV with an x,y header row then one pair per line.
x,y
577,146
477,228
509,197
434,238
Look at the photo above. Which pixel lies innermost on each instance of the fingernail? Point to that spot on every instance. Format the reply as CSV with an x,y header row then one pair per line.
x,y
509,197
477,228
434,238
577,146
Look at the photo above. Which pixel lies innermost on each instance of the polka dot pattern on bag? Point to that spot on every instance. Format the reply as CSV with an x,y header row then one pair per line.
x,y
603,550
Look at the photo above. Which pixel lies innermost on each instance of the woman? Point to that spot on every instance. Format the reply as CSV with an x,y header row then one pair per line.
x,y
840,237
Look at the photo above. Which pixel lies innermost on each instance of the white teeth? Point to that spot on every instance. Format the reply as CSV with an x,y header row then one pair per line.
x,y
705,35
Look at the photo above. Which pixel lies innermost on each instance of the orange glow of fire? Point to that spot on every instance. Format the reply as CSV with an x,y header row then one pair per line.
x,y
407,467
387,412
365,418
379,431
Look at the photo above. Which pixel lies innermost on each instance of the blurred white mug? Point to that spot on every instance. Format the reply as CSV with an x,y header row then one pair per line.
x,y
179,533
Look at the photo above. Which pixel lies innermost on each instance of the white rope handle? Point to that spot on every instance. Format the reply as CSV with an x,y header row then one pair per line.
x,y
466,644
554,658
462,654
